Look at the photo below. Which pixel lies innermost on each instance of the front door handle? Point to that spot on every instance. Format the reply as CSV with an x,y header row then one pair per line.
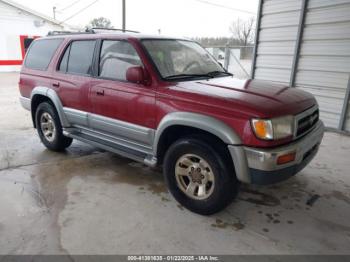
x,y
100,92
56,84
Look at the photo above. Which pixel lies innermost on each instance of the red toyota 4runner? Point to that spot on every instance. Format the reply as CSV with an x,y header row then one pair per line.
x,y
166,101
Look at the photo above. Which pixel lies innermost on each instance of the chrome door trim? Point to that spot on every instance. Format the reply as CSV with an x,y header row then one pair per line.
x,y
114,139
76,117
122,129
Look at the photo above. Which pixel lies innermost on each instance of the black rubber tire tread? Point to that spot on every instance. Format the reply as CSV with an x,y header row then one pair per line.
x,y
60,142
226,184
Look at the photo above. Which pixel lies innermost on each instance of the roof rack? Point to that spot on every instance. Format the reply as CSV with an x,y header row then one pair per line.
x,y
94,29
53,33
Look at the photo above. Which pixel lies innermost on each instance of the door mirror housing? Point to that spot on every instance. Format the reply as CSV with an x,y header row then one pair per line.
x,y
136,74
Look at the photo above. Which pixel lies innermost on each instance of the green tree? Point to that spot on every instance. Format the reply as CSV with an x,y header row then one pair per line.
x,y
100,22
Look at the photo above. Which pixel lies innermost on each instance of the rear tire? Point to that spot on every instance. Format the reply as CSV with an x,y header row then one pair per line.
x,y
49,128
199,175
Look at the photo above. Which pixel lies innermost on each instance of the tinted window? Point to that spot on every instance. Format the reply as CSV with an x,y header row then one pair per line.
x,y
115,59
64,61
78,57
41,52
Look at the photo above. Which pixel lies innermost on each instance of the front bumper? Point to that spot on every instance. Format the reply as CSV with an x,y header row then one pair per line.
x,y
259,166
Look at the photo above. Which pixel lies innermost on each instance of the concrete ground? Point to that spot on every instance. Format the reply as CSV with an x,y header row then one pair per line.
x,y
86,201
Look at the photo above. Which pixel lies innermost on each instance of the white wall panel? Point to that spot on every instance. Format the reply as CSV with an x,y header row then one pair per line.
x,y
277,75
280,19
324,61
13,23
275,61
277,34
280,6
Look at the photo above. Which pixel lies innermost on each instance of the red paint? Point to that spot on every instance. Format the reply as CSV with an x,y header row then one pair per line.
x,y
23,52
10,62
135,75
21,39
230,100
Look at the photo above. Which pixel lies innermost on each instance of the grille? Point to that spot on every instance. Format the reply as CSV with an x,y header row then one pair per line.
x,y
306,123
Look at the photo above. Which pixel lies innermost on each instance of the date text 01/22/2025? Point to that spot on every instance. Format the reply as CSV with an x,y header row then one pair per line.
x,y
173,258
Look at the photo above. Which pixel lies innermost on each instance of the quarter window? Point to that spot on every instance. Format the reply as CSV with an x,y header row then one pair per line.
x,y
77,58
64,62
115,59
41,52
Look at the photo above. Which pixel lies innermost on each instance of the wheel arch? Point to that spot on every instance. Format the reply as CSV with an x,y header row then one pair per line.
x,y
41,94
193,121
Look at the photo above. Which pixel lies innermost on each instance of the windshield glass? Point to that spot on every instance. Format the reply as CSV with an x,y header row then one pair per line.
x,y
180,58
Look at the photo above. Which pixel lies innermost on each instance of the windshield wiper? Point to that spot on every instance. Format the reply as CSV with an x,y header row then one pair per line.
x,y
185,76
216,73
210,74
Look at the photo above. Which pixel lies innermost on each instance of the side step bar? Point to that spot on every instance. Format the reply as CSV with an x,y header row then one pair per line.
x,y
111,147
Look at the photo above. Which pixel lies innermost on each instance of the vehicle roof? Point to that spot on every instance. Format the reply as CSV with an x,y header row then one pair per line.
x,y
126,35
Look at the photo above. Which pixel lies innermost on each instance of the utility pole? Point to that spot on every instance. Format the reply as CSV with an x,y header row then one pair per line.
x,y
124,25
54,12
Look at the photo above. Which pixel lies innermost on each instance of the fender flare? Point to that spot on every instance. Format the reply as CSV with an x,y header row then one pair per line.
x,y
52,95
199,121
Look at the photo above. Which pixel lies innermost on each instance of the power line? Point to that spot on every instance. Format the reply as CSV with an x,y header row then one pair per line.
x,y
70,5
225,6
80,11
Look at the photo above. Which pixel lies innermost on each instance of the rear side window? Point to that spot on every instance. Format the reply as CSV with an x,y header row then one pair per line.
x,y
115,59
41,52
77,58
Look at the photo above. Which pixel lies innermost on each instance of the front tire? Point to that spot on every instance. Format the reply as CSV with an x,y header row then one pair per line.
x,y
199,176
49,128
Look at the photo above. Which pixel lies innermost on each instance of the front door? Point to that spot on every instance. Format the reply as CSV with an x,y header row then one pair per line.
x,y
120,108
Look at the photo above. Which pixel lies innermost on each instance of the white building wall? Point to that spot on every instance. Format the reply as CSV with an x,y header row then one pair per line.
x,y
277,37
323,67
14,23
324,61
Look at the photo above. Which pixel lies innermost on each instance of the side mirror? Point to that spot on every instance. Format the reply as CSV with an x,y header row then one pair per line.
x,y
135,74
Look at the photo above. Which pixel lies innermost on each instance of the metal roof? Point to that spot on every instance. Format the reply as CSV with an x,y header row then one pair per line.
x,y
32,12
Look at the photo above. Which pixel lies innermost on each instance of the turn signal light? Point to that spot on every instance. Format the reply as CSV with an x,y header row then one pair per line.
x,y
262,128
284,159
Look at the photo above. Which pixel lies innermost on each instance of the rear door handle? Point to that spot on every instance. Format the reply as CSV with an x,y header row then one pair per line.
x,y
100,92
56,84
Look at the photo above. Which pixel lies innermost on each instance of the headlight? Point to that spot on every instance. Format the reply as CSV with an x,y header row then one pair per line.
x,y
275,128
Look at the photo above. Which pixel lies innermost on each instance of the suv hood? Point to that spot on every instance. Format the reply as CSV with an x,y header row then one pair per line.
x,y
254,97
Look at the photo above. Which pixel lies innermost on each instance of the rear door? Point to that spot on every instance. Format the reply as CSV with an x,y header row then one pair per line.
x,y
121,108
72,80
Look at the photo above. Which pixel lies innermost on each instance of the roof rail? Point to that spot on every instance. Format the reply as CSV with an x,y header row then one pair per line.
x,y
53,33
94,29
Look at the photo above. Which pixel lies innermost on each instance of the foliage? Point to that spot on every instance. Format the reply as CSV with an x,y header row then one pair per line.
x,y
243,30
100,22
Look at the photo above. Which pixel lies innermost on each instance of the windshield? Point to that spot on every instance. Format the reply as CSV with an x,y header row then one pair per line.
x,y
181,58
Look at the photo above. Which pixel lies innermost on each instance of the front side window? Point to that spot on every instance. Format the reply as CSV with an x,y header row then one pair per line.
x,y
77,58
41,52
115,59
181,58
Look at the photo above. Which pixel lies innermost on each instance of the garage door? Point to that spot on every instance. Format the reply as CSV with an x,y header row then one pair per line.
x,y
323,59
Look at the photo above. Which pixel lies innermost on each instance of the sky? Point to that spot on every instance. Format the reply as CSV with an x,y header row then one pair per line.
x,y
182,18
